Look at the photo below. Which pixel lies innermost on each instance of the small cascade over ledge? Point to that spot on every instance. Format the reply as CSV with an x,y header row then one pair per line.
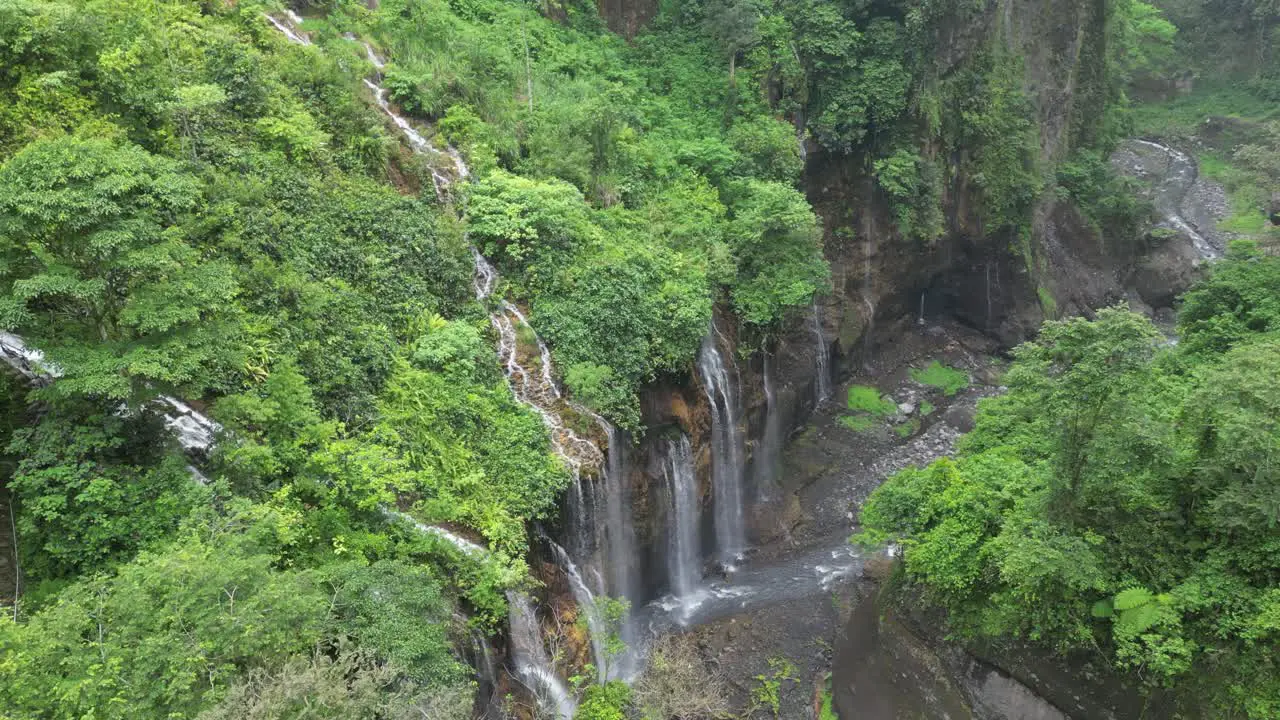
x,y
726,448
766,457
532,662
822,357
684,552
194,431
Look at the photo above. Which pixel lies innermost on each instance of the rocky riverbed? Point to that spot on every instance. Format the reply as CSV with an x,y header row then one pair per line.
x,y
788,603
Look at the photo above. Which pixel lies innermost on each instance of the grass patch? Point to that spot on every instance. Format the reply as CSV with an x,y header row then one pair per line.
x,y
907,429
869,399
1183,116
1047,303
936,375
827,711
859,423
927,408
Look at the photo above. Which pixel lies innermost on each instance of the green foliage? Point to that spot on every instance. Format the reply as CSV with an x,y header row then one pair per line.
x,y
190,205
1107,199
609,614
1240,298
914,186
775,238
927,408
395,611
351,686
1104,501
1144,41
97,274
767,691
605,702
82,474
908,428
826,710
869,400
859,423
936,375
194,614
470,453
995,125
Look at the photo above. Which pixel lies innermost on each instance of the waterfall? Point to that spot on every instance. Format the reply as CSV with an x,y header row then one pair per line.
x,y
767,458
289,27
1171,195
486,669
533,664
821,356
726,451
466,546
684,555
194,431
536,389
587,606
620,546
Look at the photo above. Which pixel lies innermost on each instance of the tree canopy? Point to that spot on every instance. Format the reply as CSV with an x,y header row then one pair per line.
x,y
1122,496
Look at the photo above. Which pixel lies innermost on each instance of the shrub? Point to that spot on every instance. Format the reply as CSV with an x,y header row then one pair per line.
x,y
868,399
936,375
858,423
678,684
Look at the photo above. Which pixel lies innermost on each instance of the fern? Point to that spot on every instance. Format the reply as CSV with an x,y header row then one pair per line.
x,y
1132,598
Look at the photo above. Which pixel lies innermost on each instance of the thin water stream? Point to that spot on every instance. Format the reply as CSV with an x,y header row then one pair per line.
x,y
684,553
726,450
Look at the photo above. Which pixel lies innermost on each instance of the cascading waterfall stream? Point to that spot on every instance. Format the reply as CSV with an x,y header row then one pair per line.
x,y
767,458
536,389
684,554
587,605
532,662
194,431
822,378
289,27
620,549
1171,194
726,451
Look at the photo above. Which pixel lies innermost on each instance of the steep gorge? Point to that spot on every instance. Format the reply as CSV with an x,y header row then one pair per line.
x,y
992,288
721,509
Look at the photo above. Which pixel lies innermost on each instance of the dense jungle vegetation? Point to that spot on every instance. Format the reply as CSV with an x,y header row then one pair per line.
x,y
1121,497
1121,500
190,205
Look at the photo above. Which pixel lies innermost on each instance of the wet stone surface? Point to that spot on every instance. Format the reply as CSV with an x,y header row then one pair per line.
x,y
791,595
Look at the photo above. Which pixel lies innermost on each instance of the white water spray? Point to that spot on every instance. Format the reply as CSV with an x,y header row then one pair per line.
x,y
533,663
726,451
821,353
684,552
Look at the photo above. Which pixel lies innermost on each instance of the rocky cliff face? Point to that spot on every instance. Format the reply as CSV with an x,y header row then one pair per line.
x,y
997,285
994,282
1001,285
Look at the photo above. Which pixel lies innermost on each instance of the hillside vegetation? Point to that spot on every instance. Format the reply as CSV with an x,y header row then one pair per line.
x,y
193,206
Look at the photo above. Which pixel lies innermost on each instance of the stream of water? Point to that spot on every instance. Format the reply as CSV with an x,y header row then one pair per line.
x,y
532,661
1175,197
821,355
534,387
766,458
726,450
684,553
